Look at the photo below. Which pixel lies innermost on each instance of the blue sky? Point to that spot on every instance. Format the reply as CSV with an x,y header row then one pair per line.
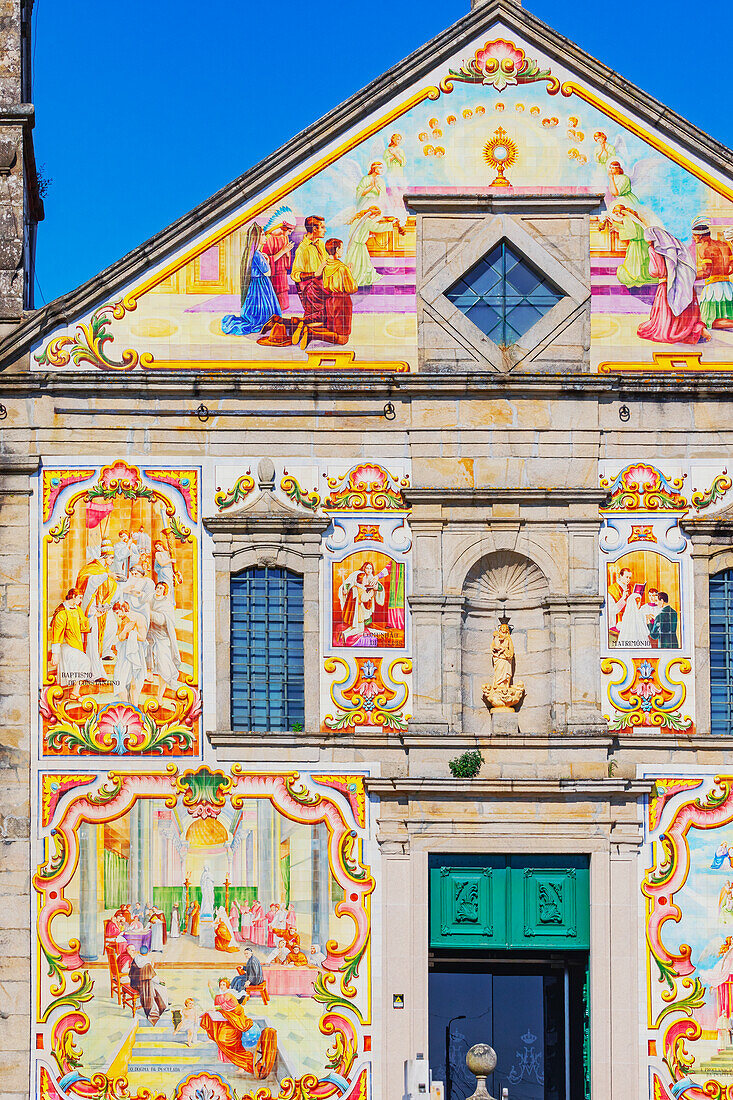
x,y
144,110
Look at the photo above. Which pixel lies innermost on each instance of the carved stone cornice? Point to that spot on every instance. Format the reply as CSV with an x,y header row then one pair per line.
x,y
484,497
602,790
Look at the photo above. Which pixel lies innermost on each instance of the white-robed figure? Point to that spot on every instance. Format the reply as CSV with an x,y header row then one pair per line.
x,y
138,592
315,955
164,656
141,540
634,629
130,667
222,915
121,562
163,567
156,930
175,929
280,920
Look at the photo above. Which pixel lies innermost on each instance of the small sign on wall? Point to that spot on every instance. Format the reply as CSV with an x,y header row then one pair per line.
x,y
398,1000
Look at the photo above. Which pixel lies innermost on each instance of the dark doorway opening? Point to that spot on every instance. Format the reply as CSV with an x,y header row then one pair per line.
x,y
532,1009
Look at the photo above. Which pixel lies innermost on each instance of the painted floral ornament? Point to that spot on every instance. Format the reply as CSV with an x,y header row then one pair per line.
x,y
500,64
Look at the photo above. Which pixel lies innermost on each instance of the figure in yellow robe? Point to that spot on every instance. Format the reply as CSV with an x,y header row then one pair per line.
x,y
69,625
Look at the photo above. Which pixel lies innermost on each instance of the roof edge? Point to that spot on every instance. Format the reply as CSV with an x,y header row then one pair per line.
x,y
107,283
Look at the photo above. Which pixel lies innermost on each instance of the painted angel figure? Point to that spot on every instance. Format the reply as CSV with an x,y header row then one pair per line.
x,y
725,901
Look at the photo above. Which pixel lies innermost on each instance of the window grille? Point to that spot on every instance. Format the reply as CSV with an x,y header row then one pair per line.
x,y
504,295
267,657
721,652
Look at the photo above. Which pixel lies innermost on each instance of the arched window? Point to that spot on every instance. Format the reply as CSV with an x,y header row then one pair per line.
x,y
267,659
721,652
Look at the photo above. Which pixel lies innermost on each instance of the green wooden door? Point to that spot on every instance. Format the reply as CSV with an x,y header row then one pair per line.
x,y
535,903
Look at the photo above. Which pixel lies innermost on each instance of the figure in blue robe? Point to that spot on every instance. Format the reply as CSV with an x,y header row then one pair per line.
x,y
721,855
259,300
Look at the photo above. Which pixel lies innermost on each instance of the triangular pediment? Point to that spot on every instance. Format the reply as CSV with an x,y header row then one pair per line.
x,y
225,288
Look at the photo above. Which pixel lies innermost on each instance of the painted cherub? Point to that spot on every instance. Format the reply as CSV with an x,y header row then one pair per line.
x,y
189,1021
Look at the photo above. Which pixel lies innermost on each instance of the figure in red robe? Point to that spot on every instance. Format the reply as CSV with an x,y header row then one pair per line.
x,y
278,247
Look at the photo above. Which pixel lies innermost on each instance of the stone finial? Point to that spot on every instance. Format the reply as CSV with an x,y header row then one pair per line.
x,y
481,1061
504,692
266,474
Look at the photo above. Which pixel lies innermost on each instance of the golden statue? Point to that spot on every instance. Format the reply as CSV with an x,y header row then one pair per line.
x,y
504,692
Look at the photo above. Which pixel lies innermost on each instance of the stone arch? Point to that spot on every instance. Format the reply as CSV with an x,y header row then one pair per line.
x,y
283,556
720,560
471,552
505,578
506,583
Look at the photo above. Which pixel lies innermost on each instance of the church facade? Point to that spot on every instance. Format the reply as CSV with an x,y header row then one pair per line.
x,y
446,379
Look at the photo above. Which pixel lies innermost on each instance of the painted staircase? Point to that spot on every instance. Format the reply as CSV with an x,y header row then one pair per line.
x,y
721,1063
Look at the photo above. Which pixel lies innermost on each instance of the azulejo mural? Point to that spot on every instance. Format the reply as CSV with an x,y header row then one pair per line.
x,y
688,893
203,934
321,271
367,553
646,577
647,648
119,570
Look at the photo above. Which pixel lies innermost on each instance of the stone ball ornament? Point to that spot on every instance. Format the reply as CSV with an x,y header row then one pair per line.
x,y
481,1061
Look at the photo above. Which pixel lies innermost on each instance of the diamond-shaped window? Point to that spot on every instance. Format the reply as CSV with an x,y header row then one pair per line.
x,y
504,295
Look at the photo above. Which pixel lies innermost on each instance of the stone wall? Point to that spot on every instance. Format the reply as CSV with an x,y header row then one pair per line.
x,y
16,722
21,206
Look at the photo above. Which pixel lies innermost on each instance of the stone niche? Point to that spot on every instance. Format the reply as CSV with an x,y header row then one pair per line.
x,y
506,584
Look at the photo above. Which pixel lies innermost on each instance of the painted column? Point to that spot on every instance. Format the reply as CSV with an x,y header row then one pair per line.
x,y
320,898
266,883
163,840
88,905
249,857
146,852
134,861
700,554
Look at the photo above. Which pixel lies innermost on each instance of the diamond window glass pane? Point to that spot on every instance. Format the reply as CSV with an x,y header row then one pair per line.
x,y
721,653
504,295
267,658
487,278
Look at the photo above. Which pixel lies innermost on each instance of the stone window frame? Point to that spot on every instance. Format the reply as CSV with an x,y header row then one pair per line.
x,y
490,217
711,550
267,532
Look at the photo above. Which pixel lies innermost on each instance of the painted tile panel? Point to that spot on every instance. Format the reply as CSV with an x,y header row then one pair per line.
x,y
320,272
688,918
203,933
646,577
119,593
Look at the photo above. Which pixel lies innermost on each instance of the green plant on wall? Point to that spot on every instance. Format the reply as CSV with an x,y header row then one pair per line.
x,y
467,765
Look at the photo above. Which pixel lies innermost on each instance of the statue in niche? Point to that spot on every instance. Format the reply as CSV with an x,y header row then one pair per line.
x,y
207,892
504,692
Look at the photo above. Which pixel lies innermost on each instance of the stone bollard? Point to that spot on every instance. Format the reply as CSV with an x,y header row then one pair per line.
x,y
481,1060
